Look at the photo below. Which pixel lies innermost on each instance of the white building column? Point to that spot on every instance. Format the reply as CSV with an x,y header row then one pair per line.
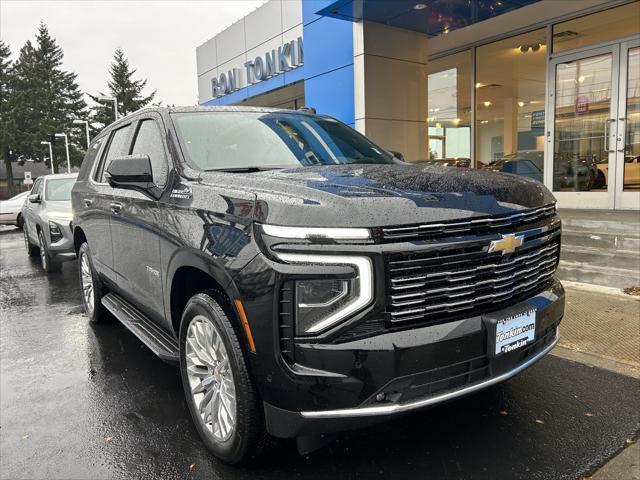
x,y
390,87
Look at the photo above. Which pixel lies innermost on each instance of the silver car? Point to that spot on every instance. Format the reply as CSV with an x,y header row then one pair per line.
x,y
47,220
11,210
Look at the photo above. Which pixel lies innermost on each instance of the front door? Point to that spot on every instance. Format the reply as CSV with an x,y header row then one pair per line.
x,y
137,223
593,137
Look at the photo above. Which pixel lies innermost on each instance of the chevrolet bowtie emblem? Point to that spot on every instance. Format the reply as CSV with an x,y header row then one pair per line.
x,y
507,244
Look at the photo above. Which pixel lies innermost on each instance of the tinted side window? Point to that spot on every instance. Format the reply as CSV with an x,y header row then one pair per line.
x,y
118,146
149,142
37,187
90,158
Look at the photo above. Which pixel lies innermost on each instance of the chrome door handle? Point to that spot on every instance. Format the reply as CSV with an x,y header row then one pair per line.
x,y
607,124
621,138
87,202
115,207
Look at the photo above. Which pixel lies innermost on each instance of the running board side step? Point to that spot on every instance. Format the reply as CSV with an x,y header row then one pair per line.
x,y
161,342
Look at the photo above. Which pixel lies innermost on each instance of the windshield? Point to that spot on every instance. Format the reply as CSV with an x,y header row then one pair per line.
x,y
59,189
237,140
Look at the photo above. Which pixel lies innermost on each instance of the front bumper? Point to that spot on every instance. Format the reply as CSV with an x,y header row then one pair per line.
x,y
336,385
294,424
63,248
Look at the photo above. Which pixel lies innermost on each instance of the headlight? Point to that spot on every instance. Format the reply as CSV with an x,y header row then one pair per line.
x,y
319,232
321,304
54,232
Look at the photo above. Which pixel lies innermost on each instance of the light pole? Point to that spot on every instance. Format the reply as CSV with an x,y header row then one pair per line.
x,y
66,146
50,153
86,126
111,99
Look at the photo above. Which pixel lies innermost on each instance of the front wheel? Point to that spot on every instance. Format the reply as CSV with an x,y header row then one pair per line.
x,y
91,285
19,221
32,250
222,400
49,264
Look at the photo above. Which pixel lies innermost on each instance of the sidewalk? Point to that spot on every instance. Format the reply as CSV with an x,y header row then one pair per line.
x,y
602,324
601,328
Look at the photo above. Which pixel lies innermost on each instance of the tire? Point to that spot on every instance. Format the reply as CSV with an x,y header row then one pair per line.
x,y
32,250
90,285
19,221
244,438
49,264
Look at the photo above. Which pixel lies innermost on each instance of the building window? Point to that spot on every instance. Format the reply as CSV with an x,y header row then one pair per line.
x,y
449,104
600,27
510,104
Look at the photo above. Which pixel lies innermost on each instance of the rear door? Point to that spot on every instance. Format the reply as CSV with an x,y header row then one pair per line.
x,y
137,227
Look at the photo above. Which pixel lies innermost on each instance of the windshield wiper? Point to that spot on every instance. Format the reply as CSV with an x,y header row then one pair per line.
x,y
244,169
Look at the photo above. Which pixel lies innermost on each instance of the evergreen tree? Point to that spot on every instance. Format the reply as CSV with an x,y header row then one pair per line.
x,y
6,128
122,86
45,101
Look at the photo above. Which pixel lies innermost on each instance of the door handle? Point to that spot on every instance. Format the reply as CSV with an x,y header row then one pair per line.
x,y
88,202
622,136
115,207
607,127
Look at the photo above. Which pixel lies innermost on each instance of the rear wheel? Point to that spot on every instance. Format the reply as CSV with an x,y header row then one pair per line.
x,y
49,264
32,250
19,221
91,285
222,400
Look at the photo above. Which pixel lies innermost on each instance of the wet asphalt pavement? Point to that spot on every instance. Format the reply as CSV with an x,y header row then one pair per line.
x,y
82,401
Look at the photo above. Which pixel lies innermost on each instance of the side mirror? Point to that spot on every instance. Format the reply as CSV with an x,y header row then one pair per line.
x,y
132,172
396,155
34,198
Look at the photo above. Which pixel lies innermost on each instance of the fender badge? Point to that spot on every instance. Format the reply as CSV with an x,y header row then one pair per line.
x,y
184,193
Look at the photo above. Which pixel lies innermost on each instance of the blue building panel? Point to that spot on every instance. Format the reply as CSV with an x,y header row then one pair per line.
x,y
328,62
332,94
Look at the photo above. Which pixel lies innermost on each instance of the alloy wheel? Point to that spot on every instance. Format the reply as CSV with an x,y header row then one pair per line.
x,y
87,282
210,378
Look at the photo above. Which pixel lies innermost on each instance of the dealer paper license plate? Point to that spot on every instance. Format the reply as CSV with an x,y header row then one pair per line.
x,y
515,331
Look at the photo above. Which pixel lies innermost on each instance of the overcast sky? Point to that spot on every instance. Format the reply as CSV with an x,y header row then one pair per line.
x,y
158,37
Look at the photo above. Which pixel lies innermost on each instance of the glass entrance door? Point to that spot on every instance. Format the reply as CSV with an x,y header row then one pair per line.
x,y
593,137
627,195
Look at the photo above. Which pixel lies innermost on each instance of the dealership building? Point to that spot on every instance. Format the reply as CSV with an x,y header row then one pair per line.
x,y
549,89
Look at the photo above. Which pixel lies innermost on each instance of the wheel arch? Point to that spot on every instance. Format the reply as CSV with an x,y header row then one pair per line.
x,y
79,238
189,274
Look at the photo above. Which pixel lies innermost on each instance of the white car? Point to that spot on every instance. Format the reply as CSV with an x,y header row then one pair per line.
x,y
10,210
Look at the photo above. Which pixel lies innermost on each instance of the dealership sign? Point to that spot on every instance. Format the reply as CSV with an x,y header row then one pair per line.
x,y
288,56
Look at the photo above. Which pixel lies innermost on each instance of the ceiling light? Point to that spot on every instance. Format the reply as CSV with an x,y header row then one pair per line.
x,y
521,104
581,79
456,121
478,85
487,104
484,122
419,6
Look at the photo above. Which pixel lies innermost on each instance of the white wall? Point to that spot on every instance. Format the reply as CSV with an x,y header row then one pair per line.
x,y
390,87
266,28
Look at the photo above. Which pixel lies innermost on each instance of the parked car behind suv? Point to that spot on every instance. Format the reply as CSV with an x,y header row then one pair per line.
x,y
304,281
47,220
11,210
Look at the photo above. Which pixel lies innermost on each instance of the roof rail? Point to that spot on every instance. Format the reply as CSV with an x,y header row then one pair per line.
x,y
307,110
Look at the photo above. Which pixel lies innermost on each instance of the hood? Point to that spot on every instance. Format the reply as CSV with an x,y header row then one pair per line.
x,y
383,195
60,211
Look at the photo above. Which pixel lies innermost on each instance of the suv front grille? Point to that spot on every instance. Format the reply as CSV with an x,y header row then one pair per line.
x,y
450,282
474,226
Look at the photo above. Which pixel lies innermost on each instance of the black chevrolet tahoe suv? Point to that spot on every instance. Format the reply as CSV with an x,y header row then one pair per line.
x,y
305,280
